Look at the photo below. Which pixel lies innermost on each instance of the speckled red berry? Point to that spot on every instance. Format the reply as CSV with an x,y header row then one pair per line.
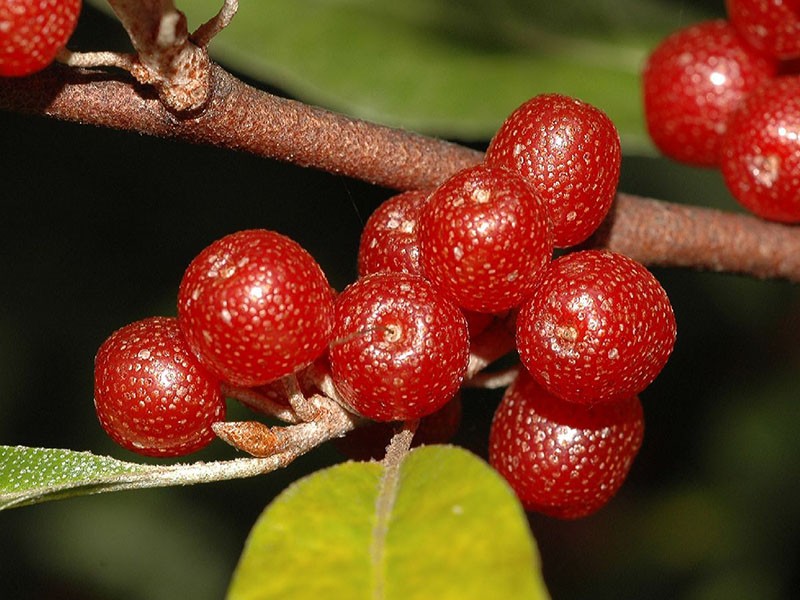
x,y
761,151
400,350
563,459
484,237
693,81
151,394
598,328
255,306
772,26
32,32
569,152
389,240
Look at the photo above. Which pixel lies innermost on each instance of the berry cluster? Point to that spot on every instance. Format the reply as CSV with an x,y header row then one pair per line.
x,y
726,94
593,328
443,275
252,307
32,32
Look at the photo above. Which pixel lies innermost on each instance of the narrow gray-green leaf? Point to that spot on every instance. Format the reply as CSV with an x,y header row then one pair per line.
x,y
33,475
455,531
454,68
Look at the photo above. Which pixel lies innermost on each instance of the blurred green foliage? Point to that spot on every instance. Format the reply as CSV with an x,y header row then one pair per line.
x,y
453,68
96,228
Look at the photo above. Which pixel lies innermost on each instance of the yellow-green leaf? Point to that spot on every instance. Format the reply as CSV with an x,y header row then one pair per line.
x,y
454,531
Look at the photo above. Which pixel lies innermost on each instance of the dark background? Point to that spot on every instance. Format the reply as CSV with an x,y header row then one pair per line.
x,y
96,227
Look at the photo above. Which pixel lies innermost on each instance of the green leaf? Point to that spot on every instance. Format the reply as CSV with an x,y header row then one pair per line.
x,y
454,68
33,475
454,531
30,475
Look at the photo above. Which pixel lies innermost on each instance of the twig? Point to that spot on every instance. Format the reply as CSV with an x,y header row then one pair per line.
x,y
240,117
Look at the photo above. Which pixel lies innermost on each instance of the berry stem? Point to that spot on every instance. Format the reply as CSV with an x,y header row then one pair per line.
x,y
117,60
494,342
260,440
203,35
239,117
305,408
493,380
260,403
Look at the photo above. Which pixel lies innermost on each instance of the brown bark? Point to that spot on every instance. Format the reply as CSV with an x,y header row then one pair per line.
x,y
241,117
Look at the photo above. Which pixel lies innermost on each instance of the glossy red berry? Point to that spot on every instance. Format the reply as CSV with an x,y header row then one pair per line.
x,y
772,26
484,237
400,350
693,82
569,152
32,32
598,328
151,394
563,459
255,306
761,151
389,240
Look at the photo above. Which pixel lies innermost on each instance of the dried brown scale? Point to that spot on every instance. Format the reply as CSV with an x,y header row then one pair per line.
x,y
243,118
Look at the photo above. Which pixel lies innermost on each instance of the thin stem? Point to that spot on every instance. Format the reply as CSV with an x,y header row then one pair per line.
x,y
260,403
97,59
330,421
493,380
304,407
203,35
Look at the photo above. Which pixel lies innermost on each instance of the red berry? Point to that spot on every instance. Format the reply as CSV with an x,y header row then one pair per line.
x,y
569,152
400,350
598,328
151,394
761,152
772,26
693,81
32,32
389,239
484,236
255,306
563,459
